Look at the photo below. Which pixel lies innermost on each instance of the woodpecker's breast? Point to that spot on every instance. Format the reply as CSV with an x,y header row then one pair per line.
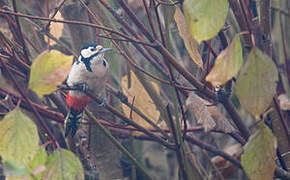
x,y
95,80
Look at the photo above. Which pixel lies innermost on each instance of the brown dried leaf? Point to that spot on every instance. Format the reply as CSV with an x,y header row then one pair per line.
x,y
198,106
208,116
142,100
222,123
227,168
189,41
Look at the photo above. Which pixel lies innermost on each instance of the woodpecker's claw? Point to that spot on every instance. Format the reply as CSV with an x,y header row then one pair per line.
x,y
104,102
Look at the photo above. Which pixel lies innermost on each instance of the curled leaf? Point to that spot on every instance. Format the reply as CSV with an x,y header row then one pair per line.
x,y
189,41
227,64
208,116
198,106
227,168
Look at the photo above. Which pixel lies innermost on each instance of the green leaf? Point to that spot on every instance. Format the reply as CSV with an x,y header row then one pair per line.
x,y
48,70
205,18
256,85
62,165
227,64
258,159
37,165
18,138
189,41
13,170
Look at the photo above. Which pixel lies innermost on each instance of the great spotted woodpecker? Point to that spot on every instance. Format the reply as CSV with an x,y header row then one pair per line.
x,y
90,71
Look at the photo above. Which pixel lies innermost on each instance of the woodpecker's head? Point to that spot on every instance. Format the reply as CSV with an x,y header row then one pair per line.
x,y
92,53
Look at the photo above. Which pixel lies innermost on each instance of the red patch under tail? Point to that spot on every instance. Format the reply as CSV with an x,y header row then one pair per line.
x,y
77,103
76,106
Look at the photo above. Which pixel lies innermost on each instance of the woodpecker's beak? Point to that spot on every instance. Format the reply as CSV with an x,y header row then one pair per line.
x,y
105,50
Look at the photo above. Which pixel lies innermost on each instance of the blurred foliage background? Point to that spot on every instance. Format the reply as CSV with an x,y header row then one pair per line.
x,y
146,84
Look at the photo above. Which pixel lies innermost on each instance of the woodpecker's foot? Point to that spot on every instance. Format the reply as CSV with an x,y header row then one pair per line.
x,y
83,86
222,95
104,102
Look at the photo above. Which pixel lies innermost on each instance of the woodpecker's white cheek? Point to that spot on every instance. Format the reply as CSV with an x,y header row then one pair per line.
x,y
87,52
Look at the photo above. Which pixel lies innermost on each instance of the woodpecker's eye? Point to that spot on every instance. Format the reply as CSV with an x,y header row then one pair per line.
x,y
93,49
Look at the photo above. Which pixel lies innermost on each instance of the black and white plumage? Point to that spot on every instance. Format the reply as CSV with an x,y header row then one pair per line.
x,y
91,70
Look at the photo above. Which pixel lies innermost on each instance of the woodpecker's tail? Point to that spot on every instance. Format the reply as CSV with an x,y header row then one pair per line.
x,y
72,121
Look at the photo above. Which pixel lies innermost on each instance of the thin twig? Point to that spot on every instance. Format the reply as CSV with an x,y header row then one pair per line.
x,y
178,145
56,9
125,40
133,33
165,3
213,150
150,19
72,22
284,46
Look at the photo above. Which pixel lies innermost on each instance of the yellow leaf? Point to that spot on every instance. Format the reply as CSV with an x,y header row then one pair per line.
x,y
256,84
142,100
258,159
18,138
189,41
205,18
55,29
48,70
227,64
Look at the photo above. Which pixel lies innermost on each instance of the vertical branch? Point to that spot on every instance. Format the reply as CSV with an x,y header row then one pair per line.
x,y
20,36
236,9
159,24
287,63
150,19
170,70
248,21
266,26
178,147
